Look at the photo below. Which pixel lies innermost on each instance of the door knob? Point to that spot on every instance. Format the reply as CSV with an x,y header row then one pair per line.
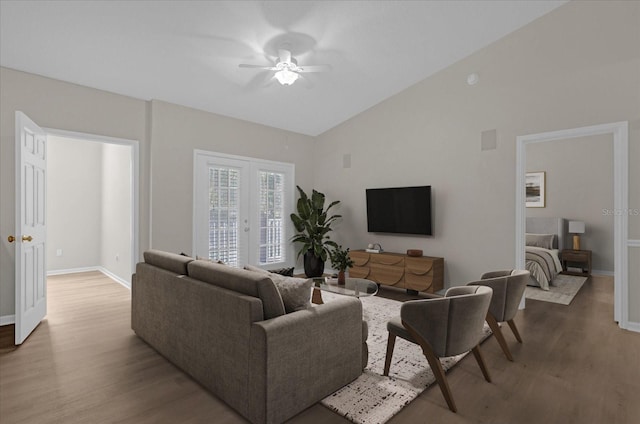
x,y
26,238
11,239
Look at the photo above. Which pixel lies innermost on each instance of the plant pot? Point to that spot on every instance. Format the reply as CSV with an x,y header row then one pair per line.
x,y
313,266
341,278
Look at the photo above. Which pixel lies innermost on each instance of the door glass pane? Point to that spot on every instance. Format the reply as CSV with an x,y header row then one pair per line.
x,y
223,214
272,244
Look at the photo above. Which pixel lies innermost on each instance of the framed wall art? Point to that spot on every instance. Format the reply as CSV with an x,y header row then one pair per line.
x,y
535,189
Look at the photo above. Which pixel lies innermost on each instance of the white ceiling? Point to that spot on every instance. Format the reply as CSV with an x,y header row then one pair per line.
x,y
187,52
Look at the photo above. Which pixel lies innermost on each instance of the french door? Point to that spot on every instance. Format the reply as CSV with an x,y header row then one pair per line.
x,y
241,210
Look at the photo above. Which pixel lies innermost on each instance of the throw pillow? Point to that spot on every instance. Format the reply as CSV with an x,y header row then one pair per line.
x,y
540,240
287,272
295,292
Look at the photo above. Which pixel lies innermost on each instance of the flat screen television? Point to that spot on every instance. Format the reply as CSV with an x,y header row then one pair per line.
x,y
404,210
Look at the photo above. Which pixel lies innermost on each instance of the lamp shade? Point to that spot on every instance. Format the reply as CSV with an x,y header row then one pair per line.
x,y
576,227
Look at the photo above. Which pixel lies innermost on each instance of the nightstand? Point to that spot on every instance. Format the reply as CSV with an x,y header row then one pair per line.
x,y
572,258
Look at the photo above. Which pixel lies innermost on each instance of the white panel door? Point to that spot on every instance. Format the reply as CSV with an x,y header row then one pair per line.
x,y
31,290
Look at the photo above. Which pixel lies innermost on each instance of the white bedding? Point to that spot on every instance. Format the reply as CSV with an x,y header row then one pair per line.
x,y
538,259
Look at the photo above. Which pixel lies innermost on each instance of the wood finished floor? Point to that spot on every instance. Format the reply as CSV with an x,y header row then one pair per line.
x,y
83,364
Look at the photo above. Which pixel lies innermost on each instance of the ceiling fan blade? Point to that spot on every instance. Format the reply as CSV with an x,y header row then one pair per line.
x,y
314,68
284,55
268,68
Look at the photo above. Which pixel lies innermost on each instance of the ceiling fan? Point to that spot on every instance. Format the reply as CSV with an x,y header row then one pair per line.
x,y
287,68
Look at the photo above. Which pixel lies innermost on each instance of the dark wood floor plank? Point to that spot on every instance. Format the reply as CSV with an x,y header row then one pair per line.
x,y
84,364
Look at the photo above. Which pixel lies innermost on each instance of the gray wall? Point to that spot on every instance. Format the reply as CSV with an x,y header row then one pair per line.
x,y
89,206
577,66
176,131
74,203
579,185
115,240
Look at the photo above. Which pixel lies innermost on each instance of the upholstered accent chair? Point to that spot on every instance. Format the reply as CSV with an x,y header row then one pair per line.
x,y
508,288
443,326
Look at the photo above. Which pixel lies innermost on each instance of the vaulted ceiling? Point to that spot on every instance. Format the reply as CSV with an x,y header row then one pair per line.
x,y
188,52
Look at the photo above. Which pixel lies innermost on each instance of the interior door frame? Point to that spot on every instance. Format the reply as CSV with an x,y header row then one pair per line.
x,y
135,177
620,133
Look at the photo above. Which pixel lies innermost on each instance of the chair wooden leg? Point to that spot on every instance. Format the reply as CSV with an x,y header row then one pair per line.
x,y
481,363
436,368
390,345
514,329
497,332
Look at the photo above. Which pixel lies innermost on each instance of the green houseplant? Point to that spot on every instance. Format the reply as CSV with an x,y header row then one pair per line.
x,y
312,224
340,261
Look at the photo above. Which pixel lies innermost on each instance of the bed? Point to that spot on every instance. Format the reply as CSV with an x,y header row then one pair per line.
x,y
545,237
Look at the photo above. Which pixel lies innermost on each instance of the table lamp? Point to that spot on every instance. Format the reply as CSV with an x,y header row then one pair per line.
x,y
576,228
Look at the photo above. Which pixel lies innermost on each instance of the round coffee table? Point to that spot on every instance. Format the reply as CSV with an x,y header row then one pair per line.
x,y
356,287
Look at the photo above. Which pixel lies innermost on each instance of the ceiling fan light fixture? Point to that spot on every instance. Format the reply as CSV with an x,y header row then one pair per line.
x,y
286,77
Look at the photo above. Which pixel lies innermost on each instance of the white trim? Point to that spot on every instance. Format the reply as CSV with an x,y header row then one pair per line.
x,y
602,272
73,270
101,269
115,278
633,326
633,243
620,132
7,320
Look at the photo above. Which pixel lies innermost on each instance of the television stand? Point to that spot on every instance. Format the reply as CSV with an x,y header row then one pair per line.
x,y
414,274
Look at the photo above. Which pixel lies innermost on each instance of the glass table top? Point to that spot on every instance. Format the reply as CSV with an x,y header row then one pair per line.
x,y
358,287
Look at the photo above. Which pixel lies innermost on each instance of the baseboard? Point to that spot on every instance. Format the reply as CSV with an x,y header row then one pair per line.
x,y
74,270
633,326
101,269
7,320
115,277
601,272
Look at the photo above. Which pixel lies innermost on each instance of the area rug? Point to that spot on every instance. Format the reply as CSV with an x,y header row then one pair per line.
x,y
372,398
563,289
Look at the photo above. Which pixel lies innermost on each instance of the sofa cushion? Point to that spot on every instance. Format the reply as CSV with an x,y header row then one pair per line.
x,y
169,261
287,272
295,292
241,281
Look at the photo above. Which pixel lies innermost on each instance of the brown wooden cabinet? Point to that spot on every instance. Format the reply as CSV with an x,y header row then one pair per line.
x,y
424,273
571,258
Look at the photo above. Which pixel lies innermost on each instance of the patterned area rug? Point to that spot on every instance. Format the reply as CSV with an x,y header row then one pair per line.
x,y
562,290
372,398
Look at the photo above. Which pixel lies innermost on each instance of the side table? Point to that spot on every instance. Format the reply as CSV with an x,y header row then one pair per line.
x,y
581,258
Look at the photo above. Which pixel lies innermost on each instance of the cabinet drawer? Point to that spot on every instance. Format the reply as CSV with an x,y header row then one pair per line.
x,y
575,257
359,272
387,260
418,274
387,275
359,258
419,282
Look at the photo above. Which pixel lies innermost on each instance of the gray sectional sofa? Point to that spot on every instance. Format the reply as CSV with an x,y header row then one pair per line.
x,y
227,328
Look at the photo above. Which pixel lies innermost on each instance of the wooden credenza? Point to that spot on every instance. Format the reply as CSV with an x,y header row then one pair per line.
x,y
424,273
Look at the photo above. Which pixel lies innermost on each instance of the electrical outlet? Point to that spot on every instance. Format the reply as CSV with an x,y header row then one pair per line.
x,y
58,252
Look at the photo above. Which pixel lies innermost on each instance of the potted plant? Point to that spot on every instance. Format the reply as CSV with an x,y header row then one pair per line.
x,y
312,225
340,261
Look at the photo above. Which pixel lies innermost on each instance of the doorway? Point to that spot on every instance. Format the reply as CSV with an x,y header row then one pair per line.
x,y
89,206
620,133
92,204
